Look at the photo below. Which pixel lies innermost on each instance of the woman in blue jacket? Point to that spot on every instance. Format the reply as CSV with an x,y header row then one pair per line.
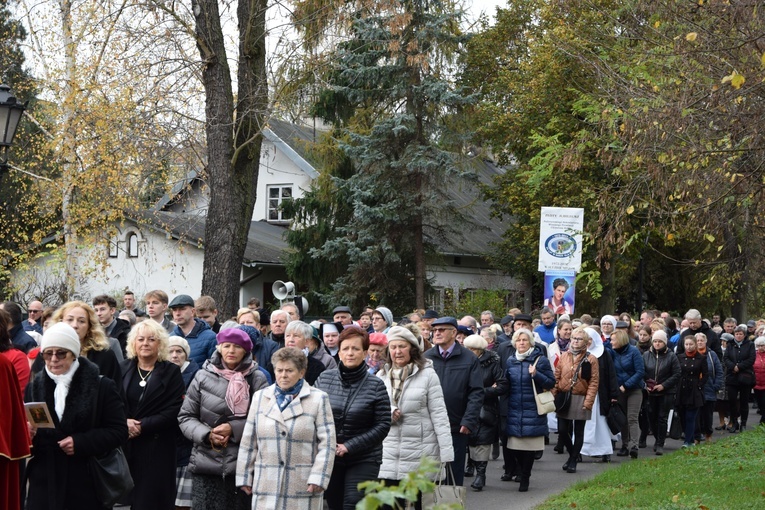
x,y
630,371
526,429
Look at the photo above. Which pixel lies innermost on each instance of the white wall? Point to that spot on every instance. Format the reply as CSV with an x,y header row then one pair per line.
x,y
276,168
162,263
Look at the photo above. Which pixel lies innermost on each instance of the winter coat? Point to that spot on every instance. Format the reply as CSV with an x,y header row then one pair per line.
x,y
201,339
322,355
423,430
462,382
58,481
564,375
263,349
505,350
21,339
629,366
546,333
693,376
716,377
488,423
151,455
205,408
662,366
608,386
182,445
522,417
282,452
743,357
759,371
189,373
361,411
314,370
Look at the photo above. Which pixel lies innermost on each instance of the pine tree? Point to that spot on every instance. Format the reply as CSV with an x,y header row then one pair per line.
x,y
391,96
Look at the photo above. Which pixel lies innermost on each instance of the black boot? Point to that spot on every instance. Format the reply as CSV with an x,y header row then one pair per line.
x,y
495,451
470,469
571,465
480,476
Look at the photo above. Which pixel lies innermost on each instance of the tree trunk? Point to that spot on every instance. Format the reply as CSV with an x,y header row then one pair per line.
x,y
607,301
68,158
233,143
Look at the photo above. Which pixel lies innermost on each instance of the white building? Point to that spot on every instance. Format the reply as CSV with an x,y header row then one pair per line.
x,y
164,247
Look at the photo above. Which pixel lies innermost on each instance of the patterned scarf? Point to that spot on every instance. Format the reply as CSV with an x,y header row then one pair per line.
x,y
397,378
237,391
563,344
284,397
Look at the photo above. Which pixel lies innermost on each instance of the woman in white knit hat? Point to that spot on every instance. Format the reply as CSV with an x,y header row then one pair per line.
x,y
89,420
419,422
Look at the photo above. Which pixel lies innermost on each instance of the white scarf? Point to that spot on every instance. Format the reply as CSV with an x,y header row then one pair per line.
x,y
62,387
520,356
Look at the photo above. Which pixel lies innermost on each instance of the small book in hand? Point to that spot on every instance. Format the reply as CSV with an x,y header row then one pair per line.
x,y
39,415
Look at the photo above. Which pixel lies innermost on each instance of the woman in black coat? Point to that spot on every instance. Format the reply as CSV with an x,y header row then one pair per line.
x,y
89,418
362,414
739,381
662,374
494,384
690,391
153,389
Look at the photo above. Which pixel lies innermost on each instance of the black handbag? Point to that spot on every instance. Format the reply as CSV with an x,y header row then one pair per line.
x,y
616,419
111,477
562,401
674,428
110,472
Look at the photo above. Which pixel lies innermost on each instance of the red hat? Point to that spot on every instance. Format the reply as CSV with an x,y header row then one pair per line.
x,y
378,339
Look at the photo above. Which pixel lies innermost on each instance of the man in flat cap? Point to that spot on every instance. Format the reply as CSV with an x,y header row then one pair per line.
x,y
462,383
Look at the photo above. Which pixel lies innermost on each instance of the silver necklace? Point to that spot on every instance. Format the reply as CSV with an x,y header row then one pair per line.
x,y
143,379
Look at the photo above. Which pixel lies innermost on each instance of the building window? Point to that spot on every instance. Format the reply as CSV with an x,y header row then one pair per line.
x,y
113,246
132,243
277,195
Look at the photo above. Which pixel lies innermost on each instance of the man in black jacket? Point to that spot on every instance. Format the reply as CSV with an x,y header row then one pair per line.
x,y
696,325
105,307
462,383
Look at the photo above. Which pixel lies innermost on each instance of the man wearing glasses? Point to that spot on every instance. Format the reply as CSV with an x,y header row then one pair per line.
x,y
462,383
34,309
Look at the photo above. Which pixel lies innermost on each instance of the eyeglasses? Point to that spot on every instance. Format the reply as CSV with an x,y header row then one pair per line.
x,y
48,355
441,330
577,338
34,311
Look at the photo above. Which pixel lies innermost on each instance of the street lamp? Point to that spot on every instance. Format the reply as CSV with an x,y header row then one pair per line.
x,y
10,115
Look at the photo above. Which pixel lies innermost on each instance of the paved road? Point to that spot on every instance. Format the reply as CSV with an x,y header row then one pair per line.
x,y
547,478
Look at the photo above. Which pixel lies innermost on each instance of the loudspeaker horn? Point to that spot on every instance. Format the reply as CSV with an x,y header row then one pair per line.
x,y
282,290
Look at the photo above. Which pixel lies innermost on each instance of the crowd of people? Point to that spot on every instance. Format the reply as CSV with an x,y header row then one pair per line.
x,y
268,411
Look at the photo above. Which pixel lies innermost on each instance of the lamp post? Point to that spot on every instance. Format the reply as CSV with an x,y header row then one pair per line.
x,y
10,115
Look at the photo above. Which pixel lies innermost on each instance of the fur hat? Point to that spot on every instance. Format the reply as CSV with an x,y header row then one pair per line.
x,y
61,335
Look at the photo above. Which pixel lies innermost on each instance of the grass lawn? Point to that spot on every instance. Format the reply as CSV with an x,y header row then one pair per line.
x,y
727,474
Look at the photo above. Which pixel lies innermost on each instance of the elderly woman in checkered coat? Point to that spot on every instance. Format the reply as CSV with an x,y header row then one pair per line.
x,y
288,447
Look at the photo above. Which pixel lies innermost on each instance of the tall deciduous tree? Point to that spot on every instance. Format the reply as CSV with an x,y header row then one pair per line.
x,y
117,95
390,94
233,141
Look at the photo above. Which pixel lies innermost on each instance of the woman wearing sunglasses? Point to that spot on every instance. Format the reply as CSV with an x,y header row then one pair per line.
x,y
89,421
